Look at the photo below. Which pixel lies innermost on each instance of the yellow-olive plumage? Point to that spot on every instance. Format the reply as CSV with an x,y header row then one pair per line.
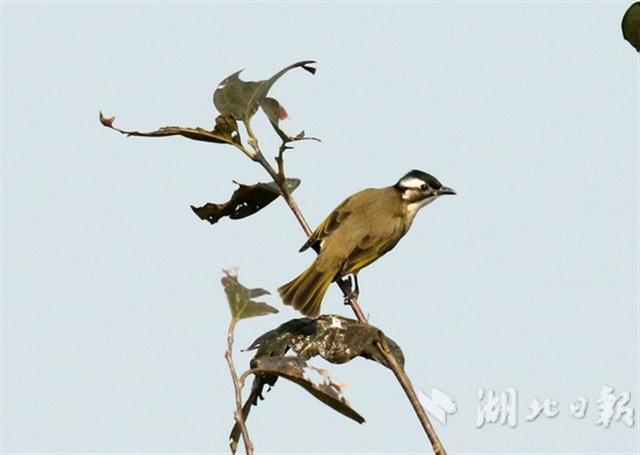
x,y
360,230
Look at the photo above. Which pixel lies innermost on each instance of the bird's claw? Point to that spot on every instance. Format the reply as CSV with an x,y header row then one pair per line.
x,y
351,295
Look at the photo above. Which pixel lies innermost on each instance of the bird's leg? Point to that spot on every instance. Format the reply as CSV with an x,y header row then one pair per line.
x,y
346,285
357,290
352,292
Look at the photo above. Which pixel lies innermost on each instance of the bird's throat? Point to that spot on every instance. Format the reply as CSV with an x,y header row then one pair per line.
x,y
412,208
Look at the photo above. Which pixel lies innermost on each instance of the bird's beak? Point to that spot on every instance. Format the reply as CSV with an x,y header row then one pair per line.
x,y
445,190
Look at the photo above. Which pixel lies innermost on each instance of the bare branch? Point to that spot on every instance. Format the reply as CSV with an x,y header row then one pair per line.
x,y
253,141
286,140
237,385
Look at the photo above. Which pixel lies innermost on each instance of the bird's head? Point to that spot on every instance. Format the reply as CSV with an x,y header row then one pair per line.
x,y
419,189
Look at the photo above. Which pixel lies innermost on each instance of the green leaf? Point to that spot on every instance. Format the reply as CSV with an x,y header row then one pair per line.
x,y
631,25
241,99
258,292
240,298
245,201
275,112
225,131
273,109
314,380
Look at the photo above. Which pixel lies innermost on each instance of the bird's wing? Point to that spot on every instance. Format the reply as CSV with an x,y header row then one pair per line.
x,y
337,216
371,248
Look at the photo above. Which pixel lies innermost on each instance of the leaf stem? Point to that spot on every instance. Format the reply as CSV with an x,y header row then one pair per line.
x,y
245,375
237,385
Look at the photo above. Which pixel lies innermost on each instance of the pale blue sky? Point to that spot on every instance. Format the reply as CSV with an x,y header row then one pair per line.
x,y
113,317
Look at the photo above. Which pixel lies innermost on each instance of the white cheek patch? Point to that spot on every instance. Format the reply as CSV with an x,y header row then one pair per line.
x,y
413,208
411,182
412,195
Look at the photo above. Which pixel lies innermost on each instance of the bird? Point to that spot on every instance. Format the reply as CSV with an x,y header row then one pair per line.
x,y
364,227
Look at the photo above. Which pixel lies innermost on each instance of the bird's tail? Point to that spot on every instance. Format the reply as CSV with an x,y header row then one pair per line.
x,y
305,292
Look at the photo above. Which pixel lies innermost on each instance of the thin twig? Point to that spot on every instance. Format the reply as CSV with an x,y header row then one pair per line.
x,y
286,195
351,300
286,140
237,385
280,161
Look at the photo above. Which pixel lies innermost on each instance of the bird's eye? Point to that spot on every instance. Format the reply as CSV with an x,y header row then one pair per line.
x,y
424,186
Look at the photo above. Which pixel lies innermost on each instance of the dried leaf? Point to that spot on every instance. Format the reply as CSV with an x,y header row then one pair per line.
x,y
334,338
225,131
227,127
242,98
239,298
314,380
245,201
631,25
